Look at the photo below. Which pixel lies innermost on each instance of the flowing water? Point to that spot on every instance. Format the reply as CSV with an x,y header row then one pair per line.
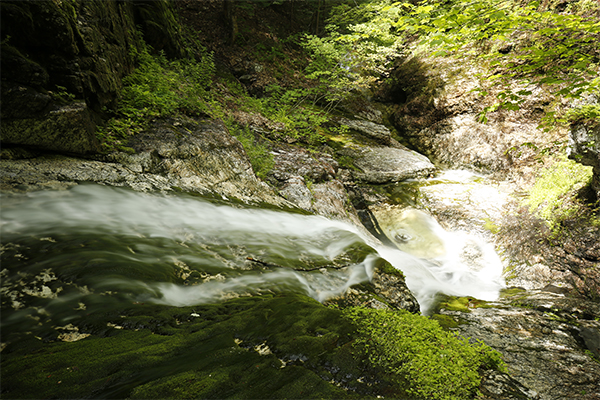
x,y
93,247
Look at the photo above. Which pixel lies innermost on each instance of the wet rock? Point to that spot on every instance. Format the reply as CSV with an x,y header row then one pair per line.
x,y
65,129
378,132
388,164
386,290
539,335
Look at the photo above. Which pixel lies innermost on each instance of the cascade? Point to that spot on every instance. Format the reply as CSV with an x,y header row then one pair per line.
x,y
113,245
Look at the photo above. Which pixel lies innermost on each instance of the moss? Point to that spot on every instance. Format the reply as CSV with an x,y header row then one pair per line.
x,y
424,360
462,304
446,322
200,352
387,268
552,196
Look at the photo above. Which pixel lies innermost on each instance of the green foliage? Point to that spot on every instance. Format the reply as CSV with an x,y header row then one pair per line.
x,y
556,186
359,48
158,87
259,154
427,361
586,113
521,44
295,109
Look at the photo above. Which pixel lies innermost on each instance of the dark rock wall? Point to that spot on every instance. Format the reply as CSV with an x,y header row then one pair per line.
x,y
55,53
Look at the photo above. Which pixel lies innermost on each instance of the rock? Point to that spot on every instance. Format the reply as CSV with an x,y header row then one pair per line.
x,y
292,162
540,338
584,147
437,110
388,164
56,51
590,333
65,129
386,290
189,155
378,132
501,386
295,191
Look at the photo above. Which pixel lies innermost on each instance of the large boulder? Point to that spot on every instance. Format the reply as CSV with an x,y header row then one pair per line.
x,y
378,164
178,154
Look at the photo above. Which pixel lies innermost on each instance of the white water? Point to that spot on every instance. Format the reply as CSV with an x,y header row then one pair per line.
x,y
183,234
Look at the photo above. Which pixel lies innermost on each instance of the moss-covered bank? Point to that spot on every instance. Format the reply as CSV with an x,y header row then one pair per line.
x,y
287,346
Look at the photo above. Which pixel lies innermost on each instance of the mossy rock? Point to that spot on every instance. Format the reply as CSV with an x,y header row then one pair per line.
x,y
446,322
462,304
256,347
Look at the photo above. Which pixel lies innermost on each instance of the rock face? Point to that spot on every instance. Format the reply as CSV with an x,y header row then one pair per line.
x,y
378,132
438,113
68,129
584,147
543,338
194,156
55,52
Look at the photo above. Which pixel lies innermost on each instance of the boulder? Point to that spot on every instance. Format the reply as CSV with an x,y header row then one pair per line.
x,y
547,340
380,133
380,164
64,129
177,154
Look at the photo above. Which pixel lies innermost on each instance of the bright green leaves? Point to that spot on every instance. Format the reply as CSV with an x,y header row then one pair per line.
x,y
552,197
157,87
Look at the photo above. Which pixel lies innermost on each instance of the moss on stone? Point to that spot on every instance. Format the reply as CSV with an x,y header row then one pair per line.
x,y
446,322
201,352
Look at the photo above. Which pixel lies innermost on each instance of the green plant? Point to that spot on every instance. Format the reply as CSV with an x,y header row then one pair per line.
x,y
426,361
158,87
259,154
552,197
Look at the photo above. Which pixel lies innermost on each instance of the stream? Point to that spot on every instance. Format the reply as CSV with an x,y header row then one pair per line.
x,y
68,253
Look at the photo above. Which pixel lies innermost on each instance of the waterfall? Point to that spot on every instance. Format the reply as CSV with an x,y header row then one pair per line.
x,y
186,250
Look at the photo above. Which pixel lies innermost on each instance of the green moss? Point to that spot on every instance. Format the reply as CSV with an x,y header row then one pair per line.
x,y
462,304
424,360
445,321
552,196
511,292
490,226
387,268
200,352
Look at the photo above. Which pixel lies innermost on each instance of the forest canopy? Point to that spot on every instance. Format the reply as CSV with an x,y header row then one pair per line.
x,y
527,43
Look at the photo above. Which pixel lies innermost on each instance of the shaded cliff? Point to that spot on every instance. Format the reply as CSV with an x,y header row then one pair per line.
x,y
63,64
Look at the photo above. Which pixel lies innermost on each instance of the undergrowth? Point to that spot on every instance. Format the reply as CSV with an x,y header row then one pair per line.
x,y
424,359
258,153
554,194
158,87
